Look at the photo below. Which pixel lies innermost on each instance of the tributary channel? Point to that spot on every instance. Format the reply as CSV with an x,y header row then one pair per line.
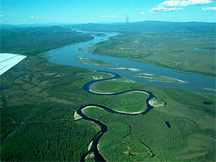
x,y
67,56
93,148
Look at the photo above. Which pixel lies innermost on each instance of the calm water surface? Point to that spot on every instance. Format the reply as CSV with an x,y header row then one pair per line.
x,y
67,56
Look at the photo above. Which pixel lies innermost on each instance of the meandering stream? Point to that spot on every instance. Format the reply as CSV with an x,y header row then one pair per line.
x,y
93,150
67,56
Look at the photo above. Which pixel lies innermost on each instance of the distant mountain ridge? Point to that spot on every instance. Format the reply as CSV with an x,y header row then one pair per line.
x,y
141,26
157,26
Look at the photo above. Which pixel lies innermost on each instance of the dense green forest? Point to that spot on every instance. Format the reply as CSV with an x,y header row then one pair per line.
x,y
148,137
37,119
37,125
34,40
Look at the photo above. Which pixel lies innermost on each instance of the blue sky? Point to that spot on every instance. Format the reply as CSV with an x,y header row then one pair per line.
x,y
105,11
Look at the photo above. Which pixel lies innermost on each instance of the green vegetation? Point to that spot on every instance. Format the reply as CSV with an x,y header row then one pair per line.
x,y
190,138
131,102
112,86
33,40
92,48
178,49
37,114
37,118
89,61
124,80
96,75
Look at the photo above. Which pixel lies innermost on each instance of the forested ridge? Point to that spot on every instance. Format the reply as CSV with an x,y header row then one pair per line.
x,y
34,40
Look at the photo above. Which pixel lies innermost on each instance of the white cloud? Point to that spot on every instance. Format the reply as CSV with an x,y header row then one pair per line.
x,y
142,13
33,17
174,3
173,9
209,9
162,8
186,2
171,5
1,15
108,16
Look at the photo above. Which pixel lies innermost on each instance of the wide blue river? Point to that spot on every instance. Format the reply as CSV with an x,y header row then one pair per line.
x,y
67,56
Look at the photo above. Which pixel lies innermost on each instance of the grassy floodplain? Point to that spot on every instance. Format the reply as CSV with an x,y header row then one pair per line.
x,y
131,102
190,137
89,61
178,50
96,75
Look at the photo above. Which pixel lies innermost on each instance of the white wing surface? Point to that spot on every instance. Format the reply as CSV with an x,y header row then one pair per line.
x,y
8,60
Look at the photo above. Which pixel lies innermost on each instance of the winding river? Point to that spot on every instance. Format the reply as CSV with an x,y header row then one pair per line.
x,y
67,56
93,150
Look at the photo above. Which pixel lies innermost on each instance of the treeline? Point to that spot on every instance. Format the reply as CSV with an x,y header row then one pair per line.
x,y
34,40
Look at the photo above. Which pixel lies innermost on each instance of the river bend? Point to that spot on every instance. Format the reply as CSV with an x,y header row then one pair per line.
x,y
93,150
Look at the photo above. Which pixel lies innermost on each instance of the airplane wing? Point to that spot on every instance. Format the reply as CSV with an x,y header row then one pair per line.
x,y
8,60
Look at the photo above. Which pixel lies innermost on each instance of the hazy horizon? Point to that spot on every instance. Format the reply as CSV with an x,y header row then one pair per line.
x,y
48,24
20,12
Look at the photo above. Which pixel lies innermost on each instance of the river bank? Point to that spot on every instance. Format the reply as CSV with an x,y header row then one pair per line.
x,y
93,150
194,82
